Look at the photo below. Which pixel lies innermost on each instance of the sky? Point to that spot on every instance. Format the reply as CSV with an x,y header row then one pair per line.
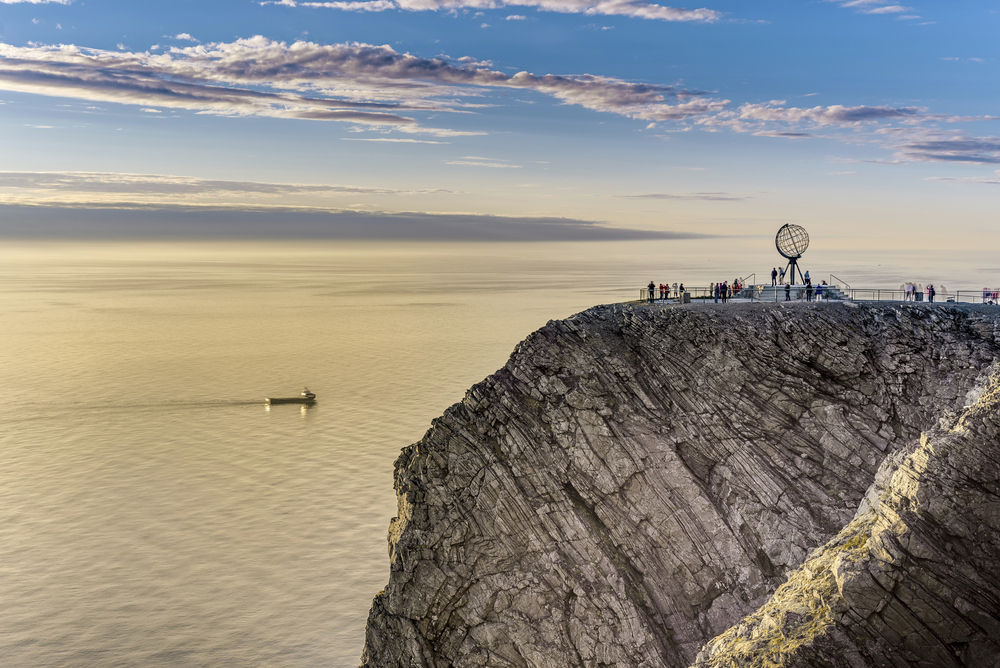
x,y
868,122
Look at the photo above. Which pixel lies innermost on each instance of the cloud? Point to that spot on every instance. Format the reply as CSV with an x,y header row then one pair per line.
x,y
930,146
185,36
778,133
632,8
889,9
982,180
361,83
394,140
96,188
516,17
757,117
834,114
350,6
472,161
875,7
706,197
129,221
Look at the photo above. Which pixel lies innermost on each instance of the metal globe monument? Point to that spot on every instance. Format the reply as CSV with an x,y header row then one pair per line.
x,y
792,241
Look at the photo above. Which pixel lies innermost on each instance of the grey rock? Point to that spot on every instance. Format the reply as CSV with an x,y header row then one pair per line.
x,y
637,479
912,581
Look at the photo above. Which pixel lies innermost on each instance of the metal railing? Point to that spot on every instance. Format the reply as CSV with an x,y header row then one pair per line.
x,y
695,292
756,292
701,293
956,297
840,280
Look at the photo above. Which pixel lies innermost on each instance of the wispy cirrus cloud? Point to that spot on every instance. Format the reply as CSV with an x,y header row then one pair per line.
x,y
836,114
889,9
933,146
631,8
361,83
876,7
478,161
786,133
981,180
761,118
705,197
395,140
98,188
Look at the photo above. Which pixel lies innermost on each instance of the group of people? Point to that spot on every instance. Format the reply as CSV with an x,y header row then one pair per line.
x,y
910,291
778,277
990,296
665,290
821,291
724,291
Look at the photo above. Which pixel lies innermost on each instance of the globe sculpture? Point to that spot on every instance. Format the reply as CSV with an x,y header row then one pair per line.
x,y
792,241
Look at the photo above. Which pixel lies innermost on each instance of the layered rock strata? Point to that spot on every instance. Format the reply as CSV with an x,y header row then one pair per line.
x,y
912,580
637,479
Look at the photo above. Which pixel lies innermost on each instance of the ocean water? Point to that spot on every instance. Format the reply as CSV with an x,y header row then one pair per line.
x,y
154,512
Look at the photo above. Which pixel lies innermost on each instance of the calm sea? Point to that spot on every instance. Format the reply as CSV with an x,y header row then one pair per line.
x,y
153,512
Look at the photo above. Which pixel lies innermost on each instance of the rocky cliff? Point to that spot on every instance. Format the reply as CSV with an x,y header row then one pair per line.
x,y
638,479
912,580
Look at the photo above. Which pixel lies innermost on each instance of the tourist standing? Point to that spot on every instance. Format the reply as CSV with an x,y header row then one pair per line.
x,y
809,291
651,290
788,292
774,277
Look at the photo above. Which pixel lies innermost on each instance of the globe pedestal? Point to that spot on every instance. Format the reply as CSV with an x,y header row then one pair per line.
x,y
790,270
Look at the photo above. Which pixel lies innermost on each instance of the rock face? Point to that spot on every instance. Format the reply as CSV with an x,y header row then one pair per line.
x,y
637,479
912,580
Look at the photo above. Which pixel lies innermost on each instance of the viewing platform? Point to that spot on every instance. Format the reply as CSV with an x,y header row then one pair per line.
x,y
838,292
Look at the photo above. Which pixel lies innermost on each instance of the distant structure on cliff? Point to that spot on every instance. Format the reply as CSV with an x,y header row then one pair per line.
x,y
792,241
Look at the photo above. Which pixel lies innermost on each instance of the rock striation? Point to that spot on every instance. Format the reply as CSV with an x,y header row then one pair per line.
x,y
638,479
911,581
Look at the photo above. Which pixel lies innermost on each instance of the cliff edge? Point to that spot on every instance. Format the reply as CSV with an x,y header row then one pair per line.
x,y
638,479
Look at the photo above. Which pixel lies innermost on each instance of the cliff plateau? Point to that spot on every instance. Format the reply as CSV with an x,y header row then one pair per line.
x,y
637,480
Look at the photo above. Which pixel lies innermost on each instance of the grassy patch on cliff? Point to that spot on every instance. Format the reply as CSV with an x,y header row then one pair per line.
x,y
797,614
